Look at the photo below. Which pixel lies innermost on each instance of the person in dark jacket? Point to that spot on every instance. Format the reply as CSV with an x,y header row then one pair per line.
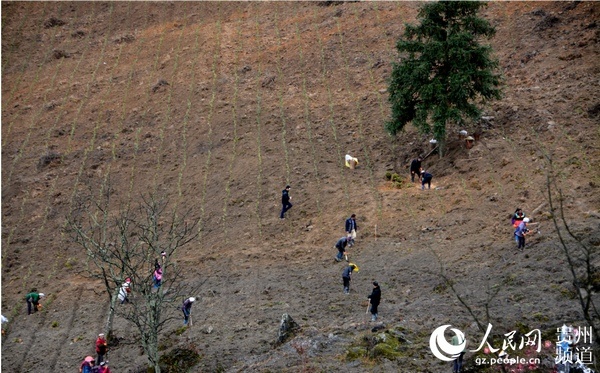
x,y
341,246
415,169
285,201
187,309
517,218
346,276
374,300
426,179
351,227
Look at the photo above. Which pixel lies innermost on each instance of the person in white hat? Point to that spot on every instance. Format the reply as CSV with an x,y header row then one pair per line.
x,y
187,309
520,233
104,367
125,290
33,301
101,348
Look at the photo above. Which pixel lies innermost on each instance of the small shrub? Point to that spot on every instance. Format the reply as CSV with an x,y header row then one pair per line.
x,y
356,353
440,288
180,331
475,185
159,84
53,22
48,158
59,53
54,324
522,328
69,263
385,350
78,34
128,38
179,360
388,175
538,316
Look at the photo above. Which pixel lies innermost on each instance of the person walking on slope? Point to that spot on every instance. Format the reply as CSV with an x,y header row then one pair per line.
x,y
520,233
341,246
374,300
186,308
351,228
285,201
101,348
426,179
125,290
415,169
346,276
33,301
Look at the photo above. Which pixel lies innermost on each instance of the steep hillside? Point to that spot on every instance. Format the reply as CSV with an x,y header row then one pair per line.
x,y
219,105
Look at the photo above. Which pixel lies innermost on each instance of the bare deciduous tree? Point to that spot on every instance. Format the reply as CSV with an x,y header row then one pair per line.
x,y
491,292
124,242
583,259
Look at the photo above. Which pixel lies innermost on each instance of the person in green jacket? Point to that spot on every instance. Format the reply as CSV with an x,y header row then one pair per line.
x,y
33,301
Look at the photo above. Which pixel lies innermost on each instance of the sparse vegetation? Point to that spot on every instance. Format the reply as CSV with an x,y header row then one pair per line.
x,y
260,95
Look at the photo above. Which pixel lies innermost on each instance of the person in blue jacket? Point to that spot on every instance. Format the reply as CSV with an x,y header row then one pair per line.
x,y
426,179
341,246
351,227
520,233
346,276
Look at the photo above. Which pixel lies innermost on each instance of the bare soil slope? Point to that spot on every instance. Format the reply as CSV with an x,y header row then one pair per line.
x,y
220,104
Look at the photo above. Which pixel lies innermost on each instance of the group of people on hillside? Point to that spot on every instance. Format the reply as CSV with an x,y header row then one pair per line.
x,y
157,277
519,222
347,240
99,364
351,228
90,365
424,176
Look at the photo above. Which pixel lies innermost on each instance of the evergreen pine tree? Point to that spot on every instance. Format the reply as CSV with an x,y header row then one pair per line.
x,y
444,73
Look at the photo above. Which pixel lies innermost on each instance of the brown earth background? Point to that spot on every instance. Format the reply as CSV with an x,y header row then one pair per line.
x,y
259,95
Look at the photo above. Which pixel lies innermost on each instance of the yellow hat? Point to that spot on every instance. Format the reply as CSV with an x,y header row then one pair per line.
x,y
354,266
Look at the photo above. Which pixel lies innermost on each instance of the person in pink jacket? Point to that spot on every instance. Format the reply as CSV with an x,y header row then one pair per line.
x,y
158,272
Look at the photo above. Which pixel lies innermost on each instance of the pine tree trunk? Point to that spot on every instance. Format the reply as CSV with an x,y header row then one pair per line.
x,y
442,147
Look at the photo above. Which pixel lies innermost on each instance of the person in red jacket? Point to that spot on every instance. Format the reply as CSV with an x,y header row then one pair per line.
x,y
101,348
